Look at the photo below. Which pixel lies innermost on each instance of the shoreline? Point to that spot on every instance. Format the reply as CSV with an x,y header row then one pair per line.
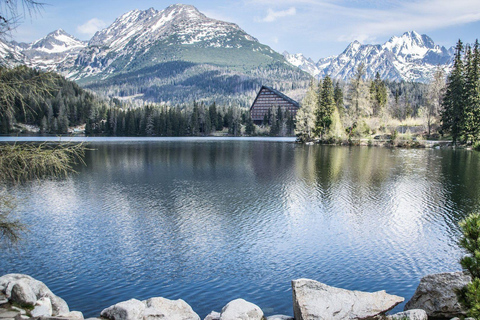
x,y
23,297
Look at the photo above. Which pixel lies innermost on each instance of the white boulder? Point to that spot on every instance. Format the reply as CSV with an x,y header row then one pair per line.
x,y
126,310
161,308
314,300
240,309
25,290
43,308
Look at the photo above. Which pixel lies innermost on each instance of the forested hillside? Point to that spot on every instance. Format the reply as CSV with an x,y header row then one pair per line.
x,y
59,104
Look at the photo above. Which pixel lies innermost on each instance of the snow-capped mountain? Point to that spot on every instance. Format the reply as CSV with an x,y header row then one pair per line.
x,y
55,52
10,54
141,38
302,62
411,57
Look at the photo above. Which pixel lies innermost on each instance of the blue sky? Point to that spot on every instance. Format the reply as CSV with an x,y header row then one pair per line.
x,y
316,28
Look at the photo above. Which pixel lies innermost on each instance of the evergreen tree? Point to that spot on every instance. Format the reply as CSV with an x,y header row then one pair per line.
x,y
471,112
325,108
470,241
378,95
249,127
454,100
212,110
338,95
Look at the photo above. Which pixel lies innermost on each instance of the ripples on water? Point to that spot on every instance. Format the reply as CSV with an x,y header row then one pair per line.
x,y
211,221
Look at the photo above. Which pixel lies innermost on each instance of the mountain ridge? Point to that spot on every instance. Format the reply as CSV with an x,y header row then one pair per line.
x,y
410,57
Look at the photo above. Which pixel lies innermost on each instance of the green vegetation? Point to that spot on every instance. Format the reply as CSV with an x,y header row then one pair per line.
x,y
461,105
23,162
43,99
476,146
470,241
379,109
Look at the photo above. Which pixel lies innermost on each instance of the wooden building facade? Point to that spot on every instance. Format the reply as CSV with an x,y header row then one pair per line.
x,y
268,98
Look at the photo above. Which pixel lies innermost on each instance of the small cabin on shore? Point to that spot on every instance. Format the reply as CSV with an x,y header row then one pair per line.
x,y
266,99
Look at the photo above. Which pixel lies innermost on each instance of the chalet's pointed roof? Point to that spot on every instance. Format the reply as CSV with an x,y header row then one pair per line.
x,y
278,93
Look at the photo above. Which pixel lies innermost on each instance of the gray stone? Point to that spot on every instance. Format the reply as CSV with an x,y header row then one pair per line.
x,y
126,310
162,308
314,300
414,314
436,294
21,317
22,293
73,315
240,309
24,289
213,316
4,313
3,301
18,309
279,317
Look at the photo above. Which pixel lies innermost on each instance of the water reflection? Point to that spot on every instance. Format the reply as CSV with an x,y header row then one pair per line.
x,y
211,221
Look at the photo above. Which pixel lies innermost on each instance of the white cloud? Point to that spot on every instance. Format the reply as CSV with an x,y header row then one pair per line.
x,y
91,26
274,15
426,15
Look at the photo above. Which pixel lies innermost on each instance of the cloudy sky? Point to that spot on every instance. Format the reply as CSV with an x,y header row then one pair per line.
x,y
317,28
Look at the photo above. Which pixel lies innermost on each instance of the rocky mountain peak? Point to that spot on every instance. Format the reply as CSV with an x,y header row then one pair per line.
x,y
410,57
183,11
56,41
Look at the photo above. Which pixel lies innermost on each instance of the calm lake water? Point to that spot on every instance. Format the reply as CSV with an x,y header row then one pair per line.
x,y
211,220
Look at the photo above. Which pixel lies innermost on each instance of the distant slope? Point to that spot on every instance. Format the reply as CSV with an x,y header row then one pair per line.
x,y
411,57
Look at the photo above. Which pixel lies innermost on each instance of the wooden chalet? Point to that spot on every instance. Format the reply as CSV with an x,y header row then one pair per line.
x,y
268,98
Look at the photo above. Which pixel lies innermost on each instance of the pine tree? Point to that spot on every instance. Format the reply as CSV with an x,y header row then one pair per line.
x,y
325,108
338,95
378,95
250,127
454,100
471,112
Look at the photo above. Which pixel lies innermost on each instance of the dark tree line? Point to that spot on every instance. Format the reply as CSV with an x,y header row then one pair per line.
x,y
196,120
461,104
59,105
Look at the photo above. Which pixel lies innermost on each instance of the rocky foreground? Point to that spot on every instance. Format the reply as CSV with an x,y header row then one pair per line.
x,y
23,297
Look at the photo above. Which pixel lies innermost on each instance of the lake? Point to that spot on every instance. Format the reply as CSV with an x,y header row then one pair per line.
x,y
211,220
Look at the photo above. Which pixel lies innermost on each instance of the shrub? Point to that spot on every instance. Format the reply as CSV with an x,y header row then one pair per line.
x,y
470,241
476,146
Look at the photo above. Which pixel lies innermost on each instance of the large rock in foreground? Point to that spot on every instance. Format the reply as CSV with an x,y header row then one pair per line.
x,y
240,309
151,309
314,300
25,290
436,294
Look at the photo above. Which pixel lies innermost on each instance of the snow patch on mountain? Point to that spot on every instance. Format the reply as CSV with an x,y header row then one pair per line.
x,y
411,57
